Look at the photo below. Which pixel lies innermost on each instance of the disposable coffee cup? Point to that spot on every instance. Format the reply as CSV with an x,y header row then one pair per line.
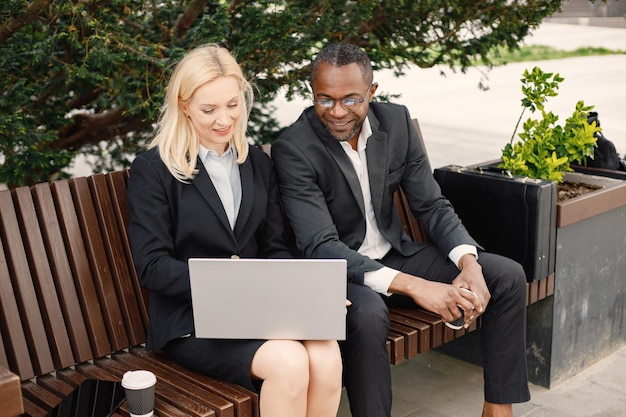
x,y
458,323
139,389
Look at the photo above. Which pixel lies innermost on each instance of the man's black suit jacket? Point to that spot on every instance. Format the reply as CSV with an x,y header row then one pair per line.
x,y
322,197
171,221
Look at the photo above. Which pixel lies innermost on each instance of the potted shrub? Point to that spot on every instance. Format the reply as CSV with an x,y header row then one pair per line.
x,y
585,319
547,150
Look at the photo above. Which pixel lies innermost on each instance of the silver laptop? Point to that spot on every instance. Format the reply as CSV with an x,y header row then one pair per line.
x,y
300,299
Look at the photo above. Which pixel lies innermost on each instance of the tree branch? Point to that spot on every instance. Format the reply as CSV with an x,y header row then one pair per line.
x,y
15,23
187,18
85,125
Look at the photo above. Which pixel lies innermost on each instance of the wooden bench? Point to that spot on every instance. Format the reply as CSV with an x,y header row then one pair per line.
x,y
71,306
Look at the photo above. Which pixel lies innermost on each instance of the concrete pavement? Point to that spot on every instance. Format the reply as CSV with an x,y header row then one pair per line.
x,y
435,385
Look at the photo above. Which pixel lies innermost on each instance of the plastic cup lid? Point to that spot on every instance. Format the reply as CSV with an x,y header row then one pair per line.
x,y
138,379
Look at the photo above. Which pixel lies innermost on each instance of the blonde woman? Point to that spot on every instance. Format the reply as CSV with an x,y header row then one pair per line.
x,y
201,191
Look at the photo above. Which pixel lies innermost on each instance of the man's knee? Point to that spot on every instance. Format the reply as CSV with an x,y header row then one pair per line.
x,y
368,315
503,275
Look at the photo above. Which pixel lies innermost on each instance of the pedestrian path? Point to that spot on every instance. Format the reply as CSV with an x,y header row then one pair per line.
x,y
435,385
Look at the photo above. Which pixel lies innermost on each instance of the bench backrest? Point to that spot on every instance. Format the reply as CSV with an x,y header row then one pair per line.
x,y
68,288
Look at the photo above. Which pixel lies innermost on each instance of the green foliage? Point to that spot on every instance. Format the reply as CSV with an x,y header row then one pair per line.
x,y
88,77
547,149
503,56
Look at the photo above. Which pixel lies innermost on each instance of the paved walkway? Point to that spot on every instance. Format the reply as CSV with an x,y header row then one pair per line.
x,y
436,385
464,125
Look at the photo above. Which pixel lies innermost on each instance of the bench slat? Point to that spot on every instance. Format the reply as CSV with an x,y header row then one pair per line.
x,y
98,262
117,187
45,289
432,320
14,353
40,396
118,263
409,335
62,274
397,347
24,290
33,410
422,329
81,271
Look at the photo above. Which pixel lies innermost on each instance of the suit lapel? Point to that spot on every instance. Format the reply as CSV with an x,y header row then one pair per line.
x,y
247,195
339,155
348,171
376,152
205,187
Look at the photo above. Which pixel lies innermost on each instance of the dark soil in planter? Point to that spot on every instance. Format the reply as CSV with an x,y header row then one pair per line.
x,y
567,190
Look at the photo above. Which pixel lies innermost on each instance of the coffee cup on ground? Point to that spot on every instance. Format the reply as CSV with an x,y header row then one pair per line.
x,y
139,388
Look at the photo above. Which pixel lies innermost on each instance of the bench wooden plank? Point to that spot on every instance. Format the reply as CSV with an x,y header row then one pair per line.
x,y
409,336
24,290
422,329
63,280
14,347
33,410
56,386
81,271
397,347
40,396
101,271
45,289
117,182
117,260
433,321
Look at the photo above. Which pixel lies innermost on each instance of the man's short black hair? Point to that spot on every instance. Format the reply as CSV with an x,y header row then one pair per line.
x,y
340,54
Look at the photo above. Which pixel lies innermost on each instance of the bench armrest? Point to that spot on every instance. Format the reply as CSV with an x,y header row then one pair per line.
x,y
11,403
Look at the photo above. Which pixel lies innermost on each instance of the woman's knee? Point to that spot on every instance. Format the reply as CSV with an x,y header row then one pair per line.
x,y
325,363
283,362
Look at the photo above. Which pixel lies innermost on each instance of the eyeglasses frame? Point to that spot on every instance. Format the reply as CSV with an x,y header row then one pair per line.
x,y
334,102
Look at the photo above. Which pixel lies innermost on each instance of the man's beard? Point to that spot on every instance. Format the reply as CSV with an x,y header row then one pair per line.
x,y
347,136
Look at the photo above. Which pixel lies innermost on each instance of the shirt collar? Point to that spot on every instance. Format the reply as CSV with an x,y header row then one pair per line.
x,y
203,152
366,132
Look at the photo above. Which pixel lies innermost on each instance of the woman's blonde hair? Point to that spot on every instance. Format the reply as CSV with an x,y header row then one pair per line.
x,y
175,136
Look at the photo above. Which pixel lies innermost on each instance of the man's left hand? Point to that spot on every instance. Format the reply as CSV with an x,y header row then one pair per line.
x,y
471,278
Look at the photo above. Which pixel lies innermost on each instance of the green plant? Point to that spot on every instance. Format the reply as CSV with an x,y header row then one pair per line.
x,y
547,149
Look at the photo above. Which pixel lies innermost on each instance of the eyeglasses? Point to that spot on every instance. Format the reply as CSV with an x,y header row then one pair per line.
x,y
348,104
